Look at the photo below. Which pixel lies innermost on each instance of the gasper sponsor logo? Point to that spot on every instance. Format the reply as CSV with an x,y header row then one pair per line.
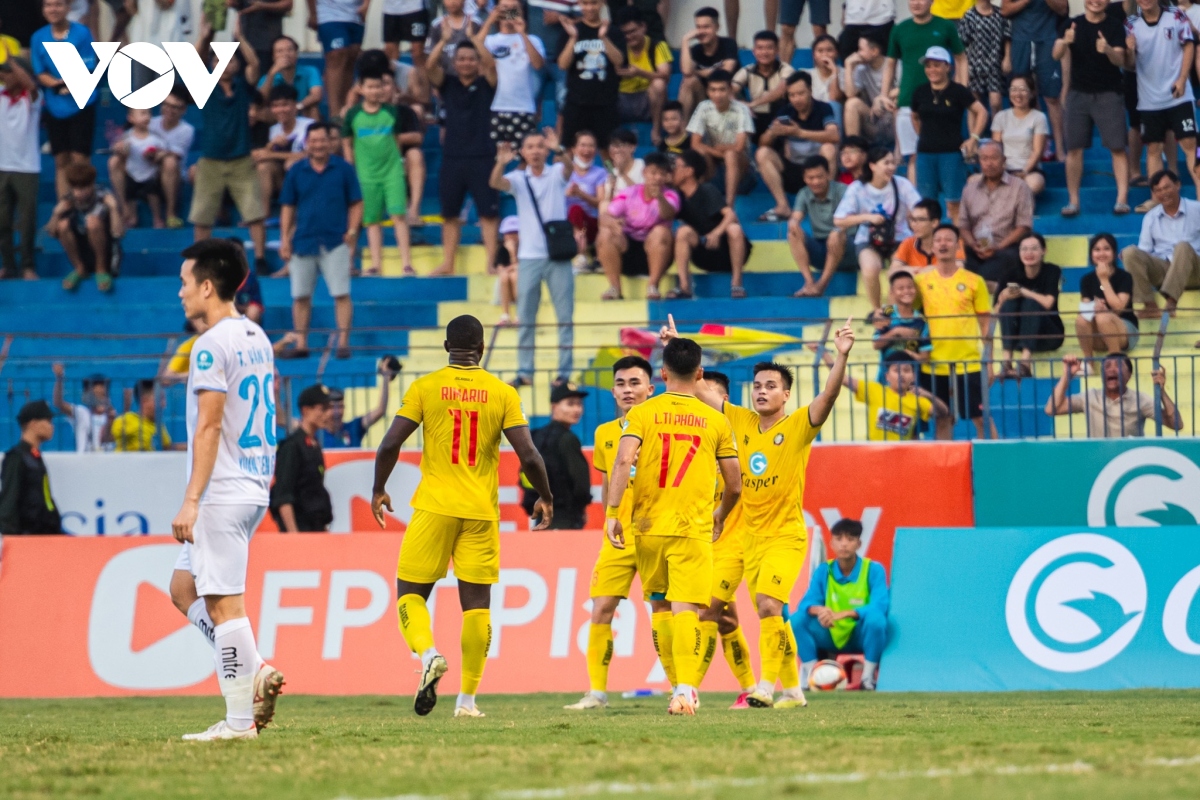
x,y
173,58
1146,486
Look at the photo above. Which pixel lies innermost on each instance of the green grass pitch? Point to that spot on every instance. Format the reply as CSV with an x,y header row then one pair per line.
x,y
1053,745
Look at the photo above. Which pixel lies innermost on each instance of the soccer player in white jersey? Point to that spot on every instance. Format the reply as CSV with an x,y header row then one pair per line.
x,y
231,458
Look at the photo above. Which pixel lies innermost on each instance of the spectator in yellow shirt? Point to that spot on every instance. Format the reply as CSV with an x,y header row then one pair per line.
x,y
137,431
643,87
893,408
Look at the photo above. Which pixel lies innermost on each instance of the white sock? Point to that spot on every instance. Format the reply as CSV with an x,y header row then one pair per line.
x,y
603,696
868,674
197,614
685,690
237,660
427,656
465,701
766,687
794,692
805,671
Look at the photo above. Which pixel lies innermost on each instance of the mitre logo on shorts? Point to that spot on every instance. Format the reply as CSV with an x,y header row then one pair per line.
x,y
172,58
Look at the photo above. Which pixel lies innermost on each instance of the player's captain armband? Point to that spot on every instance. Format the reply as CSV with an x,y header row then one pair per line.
x,y
612,513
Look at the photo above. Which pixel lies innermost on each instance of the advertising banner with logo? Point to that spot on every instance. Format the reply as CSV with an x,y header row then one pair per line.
x,y
1121,483
884,485
1043,608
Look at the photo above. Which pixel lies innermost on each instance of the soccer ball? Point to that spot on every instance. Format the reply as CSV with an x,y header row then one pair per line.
x,y
827,676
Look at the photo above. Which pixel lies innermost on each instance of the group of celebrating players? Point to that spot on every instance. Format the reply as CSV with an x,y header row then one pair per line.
x,y
699,494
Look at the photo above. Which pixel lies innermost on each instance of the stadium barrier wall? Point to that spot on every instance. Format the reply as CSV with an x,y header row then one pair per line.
x,y
1044,608
93,612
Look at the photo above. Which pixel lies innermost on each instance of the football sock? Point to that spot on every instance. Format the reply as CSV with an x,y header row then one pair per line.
x,y
476,639
772,642
465,701
708,644
663,625
237,659
737,653
415,624
599,654
789,674
805,671
197,614
687,647
868,674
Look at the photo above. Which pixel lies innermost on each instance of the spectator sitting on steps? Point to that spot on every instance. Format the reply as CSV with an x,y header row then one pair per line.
x,y
1113,411
709,234
1165,256
1109,324
87,222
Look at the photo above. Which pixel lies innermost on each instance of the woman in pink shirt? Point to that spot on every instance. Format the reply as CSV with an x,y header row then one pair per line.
x,y
639,234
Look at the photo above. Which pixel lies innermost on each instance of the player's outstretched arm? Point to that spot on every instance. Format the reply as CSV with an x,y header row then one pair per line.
x,y
535,470
821,406
210,410
618,482
385,462
703,391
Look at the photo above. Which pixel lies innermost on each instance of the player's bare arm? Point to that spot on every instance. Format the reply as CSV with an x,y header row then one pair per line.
x,y
385,462
821,406
618,482
731,471
535,470
706,394
211,408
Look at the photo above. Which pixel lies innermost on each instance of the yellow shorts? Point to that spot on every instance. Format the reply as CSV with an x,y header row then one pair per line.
x,y
433,540
681,568
614,570
774,564
728,565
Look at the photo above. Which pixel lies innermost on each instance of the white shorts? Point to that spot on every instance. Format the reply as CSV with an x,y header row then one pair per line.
x,y
906,134
333,264
217,557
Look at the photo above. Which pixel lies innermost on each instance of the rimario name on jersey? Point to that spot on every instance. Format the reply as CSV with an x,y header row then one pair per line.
x,y
464,395
687,420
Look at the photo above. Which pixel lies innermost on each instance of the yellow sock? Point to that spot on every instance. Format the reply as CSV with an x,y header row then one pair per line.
x,y
663,625
415,624
688,648
772,643
737,654
476,639
789,673
708,643
599,654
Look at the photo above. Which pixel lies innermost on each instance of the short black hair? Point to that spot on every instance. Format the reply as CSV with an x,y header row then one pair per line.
x,y
283,91
317,126
847,527
785,372
180,93
142,387
633,362
800,76
814,162
898,274
708,11
372,64
1157,177
697,163
1034,235
628,14
946,226
464,333
873,38
767,36
221,261
466,44
824,37
1124,359
673,105
720,76
1103,237
579,133
856,142
682,357
932,206
625,136
276,40
659,160
717,377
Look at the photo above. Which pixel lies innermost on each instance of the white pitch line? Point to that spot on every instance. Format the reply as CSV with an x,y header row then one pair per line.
x,y
619,788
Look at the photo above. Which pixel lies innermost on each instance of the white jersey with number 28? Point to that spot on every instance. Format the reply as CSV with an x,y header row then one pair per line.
x,y
235,357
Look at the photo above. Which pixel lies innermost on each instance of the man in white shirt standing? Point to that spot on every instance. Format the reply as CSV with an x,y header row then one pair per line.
x,y
231,458
1160,44
540,191
1165,255
20,166
92,419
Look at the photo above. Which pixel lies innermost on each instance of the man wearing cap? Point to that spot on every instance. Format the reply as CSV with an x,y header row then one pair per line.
x,y
350,433
299,501
570,478
25,502
92,418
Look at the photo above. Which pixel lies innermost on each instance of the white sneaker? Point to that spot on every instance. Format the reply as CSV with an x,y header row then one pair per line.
x,y
426,697
268,685
465,711
221,731
587,702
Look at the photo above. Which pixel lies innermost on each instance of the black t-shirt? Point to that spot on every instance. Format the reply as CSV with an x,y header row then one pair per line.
x,y
704,210
675,149
820,114
941,114
1047,281
1121,282
727,50
1090,71
468,118
592,79
300,483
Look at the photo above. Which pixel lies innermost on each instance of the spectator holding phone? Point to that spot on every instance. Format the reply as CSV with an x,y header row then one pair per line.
x,y
805,128
1028,308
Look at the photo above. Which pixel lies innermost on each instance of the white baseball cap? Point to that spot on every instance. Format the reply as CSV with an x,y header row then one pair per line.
x,y
936,53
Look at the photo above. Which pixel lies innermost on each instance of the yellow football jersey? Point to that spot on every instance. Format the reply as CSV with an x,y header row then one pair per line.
x,y
682,439
773,466
464,410
604,453
890,416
